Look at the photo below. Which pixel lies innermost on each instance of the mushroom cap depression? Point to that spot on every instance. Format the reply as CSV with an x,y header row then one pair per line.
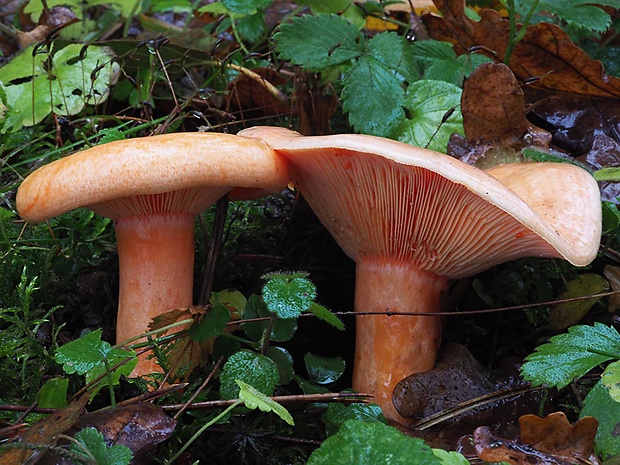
x,y
383,198
204,166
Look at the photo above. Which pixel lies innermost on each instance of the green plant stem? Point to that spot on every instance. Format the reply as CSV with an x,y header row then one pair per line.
x,y
266,337
242,47
163,329
515,37
202,429
108,375
131,15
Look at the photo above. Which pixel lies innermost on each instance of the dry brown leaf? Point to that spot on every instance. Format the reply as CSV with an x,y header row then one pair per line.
x,y
51,21
138,426
549,440
546,57
44,432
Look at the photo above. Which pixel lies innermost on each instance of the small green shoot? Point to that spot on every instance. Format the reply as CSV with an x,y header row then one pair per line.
x,y
253,398
90,444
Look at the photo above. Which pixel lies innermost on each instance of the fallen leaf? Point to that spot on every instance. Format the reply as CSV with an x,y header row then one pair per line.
x,y
612,273
549,440
44,432
546,57
565,314
138,426
51,21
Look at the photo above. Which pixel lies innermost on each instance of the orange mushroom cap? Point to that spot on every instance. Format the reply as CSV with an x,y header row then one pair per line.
x,y
152,187
412,219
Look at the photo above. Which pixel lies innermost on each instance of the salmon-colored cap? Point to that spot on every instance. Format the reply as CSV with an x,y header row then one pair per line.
x,y
205,165
380,197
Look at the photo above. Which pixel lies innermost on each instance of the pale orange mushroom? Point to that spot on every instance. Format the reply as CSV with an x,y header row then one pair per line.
x,y
413,219
153,187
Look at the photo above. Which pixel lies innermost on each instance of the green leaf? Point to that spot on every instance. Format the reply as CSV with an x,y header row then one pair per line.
x,y
566,314
336,414
53,394
252,27
35,7
373,96
317,42
288,296
584,14
323,370
607,174
394,51
253,398
324,314
440,62
211,324
79,75
601,406
450,457
434,115
611,217
571,355
611,380
94,442
253,369
284,362
245,6
361,443
282,330
89,355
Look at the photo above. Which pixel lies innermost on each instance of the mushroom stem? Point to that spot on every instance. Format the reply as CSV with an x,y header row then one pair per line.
x,y
390,348
156,258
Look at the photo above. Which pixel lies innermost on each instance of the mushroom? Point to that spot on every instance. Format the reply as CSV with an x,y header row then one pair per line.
x,y
153,187
413,220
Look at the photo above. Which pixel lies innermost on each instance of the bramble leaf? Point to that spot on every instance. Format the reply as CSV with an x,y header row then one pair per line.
x,y
583,14
395,52
253,369
571,355
373,96
93,441
317,42
253,399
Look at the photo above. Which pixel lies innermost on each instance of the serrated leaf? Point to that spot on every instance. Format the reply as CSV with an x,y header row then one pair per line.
x,y
571,355
89,355
94,442
317,42
600,405
324,314
434,115
361,443
211,324
373,97
440,62
288,296
584,14
336,414
323,370
253,369
253,399
394,51
245,7
566,314
252,27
